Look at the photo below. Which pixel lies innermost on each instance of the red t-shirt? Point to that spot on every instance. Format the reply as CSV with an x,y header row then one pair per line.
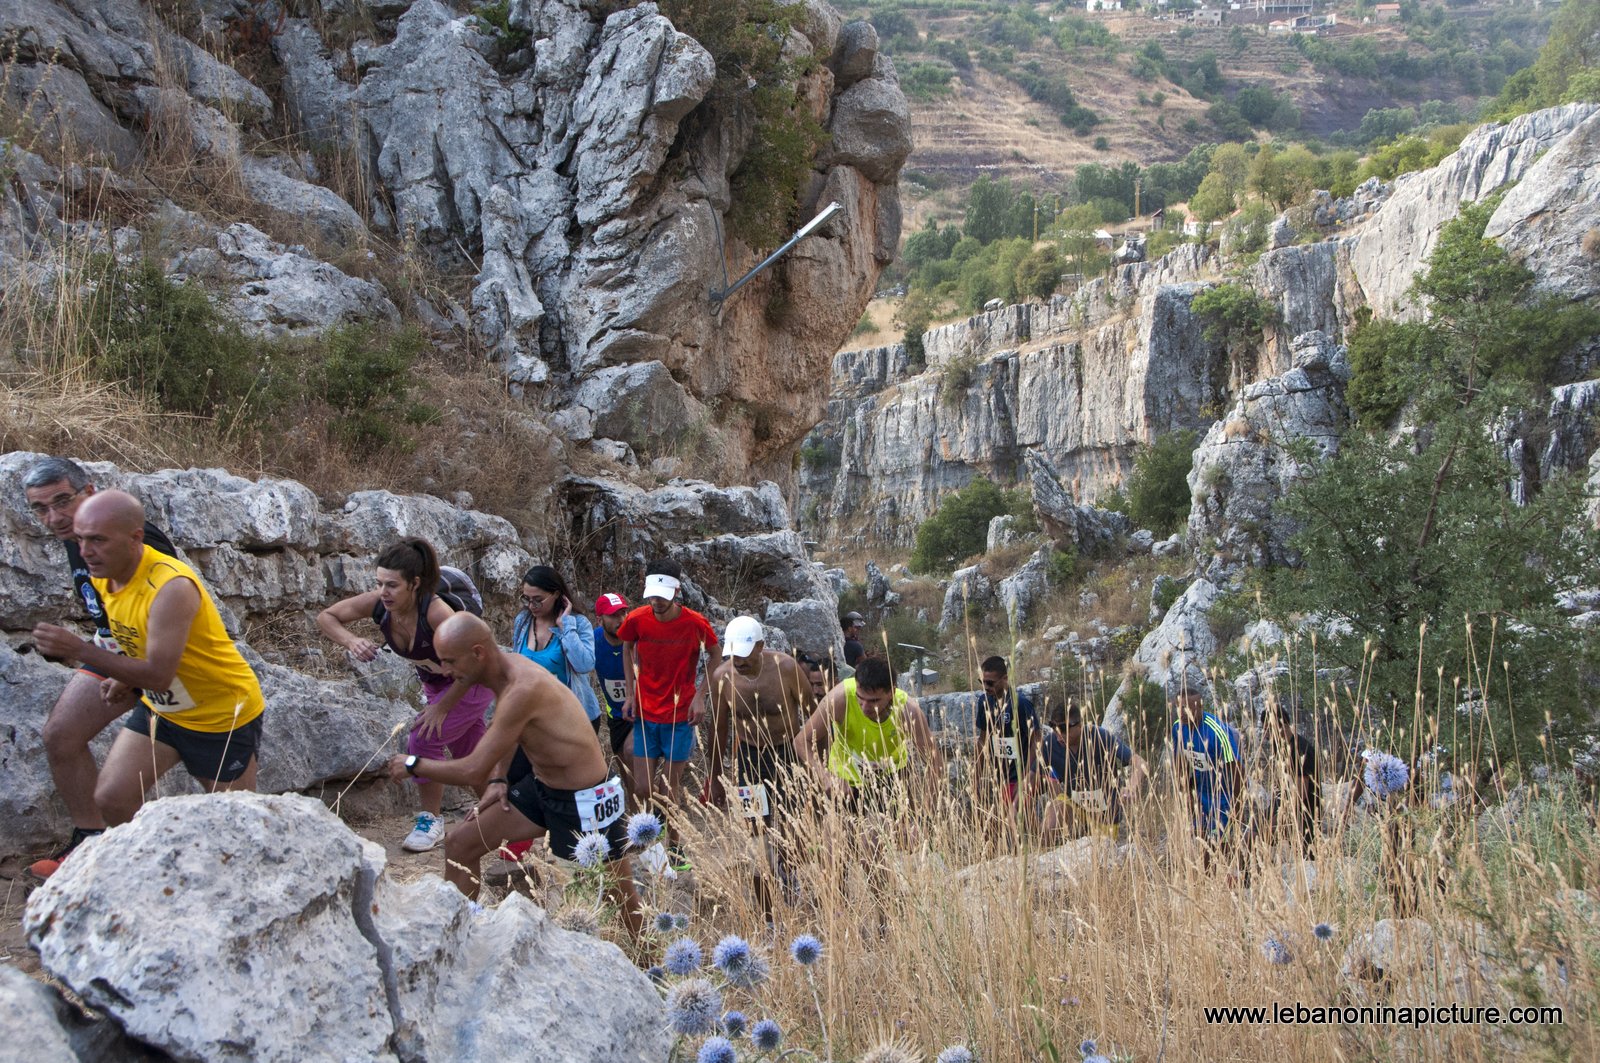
x,y
666,659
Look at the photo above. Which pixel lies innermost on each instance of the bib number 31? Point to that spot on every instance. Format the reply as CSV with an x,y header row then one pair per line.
x,y
599,806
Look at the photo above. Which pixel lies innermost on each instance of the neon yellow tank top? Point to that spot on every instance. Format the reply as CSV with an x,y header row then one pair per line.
x,y
212,677
862,742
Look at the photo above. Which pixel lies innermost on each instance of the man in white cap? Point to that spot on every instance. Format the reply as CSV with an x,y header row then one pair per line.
x,y
661,646
759,699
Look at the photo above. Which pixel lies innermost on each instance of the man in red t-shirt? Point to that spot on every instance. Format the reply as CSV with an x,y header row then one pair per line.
x,y
661,647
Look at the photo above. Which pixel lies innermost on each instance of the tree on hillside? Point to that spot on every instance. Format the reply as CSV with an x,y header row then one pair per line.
x,y
1213,201
1077,225
1039,272
1412,544
987,204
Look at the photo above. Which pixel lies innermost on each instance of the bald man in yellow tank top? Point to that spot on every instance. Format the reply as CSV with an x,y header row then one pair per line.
x,y
198,700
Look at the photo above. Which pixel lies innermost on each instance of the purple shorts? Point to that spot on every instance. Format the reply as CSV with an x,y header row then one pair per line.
x,y
462,729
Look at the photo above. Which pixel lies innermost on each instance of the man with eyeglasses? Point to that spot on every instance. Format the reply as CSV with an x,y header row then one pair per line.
x,y
1008,734
55,488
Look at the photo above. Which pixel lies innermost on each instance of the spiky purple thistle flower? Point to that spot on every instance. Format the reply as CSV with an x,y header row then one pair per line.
x,y
733,1024
731,955
717,1050
682,957
766,1035
643,829
1276,952
955,1054
693,1007
1385,775
592,850
806,950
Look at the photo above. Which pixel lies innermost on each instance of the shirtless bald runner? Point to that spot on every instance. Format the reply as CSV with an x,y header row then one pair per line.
x,y
759,699
568,795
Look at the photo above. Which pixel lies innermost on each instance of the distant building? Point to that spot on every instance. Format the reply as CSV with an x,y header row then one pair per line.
x,y
1279,7
1206,17
1385,12
1104,5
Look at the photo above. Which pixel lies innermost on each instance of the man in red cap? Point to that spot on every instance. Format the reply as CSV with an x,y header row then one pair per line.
x,y
610,609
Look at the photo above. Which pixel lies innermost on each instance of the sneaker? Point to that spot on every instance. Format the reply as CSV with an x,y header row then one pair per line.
x,y
43,869
425,835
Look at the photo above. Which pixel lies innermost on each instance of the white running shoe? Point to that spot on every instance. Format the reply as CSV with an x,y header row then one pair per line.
x,y
425,835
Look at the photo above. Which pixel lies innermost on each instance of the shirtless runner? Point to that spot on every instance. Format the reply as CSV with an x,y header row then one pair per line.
x,y
567,796
759,699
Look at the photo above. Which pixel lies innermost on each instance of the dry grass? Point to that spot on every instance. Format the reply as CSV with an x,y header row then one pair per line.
x,y
948,922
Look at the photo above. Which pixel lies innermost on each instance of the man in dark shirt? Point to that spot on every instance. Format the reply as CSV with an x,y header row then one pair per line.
x,y
1292,774
1008,733
853,623
54,488
1079,767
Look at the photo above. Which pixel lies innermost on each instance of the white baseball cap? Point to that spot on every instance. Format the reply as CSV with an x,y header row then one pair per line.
x,y
741,636
660,586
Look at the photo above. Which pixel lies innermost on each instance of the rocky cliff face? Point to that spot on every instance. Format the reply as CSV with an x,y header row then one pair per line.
x,y
576,164
1083,379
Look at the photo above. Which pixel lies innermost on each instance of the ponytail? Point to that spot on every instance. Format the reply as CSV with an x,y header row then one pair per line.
x,y
414,559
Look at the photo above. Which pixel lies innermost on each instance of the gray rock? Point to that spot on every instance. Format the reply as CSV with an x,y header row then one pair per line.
x,y
282,291
1141,541
1281,234
871,129
1089,531
30,1016
1001,533
969,589
1169,547
877,585
852,59
1023,593
1245,465
111,925
382,969
1396,243
321,208
637,403
1183,640
1546,217
812,626
320,104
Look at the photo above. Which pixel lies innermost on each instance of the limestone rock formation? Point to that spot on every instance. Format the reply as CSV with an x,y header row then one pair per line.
x,y
1247,461
580,163
1397,241
1184,638
376,970
1551,219
30,1016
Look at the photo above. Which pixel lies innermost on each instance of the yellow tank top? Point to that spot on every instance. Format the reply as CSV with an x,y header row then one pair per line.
x,y
213,679
861,742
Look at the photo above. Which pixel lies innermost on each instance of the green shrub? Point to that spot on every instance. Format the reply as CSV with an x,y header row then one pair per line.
x,y
957,378
171,342
366,375
1063,567
959,529
1158,490
497,16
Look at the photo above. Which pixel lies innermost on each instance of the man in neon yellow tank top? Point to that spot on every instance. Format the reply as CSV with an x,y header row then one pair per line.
x,y
199,702
864,732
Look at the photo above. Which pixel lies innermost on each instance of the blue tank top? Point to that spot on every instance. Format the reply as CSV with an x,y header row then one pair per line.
x,y
551,657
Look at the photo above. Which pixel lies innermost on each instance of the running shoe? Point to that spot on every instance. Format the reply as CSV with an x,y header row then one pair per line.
x,y
428,833
43,869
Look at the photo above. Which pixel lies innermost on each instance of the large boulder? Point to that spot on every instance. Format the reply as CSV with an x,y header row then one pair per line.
x,y
811,625
1183,640
31,815
30,1016
1085,529
1023,593
1550,220
968,594
375,970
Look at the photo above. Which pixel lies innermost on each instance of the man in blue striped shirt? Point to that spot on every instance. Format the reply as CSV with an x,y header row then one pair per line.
x,y
1207,754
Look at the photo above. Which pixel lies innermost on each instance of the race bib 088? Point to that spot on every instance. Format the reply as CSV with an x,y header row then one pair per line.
x,y
599,806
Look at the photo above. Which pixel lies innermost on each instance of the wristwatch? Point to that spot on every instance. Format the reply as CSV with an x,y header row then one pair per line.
x,y
411,764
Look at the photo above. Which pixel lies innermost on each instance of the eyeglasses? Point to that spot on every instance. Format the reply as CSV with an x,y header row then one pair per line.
x,y
533,601
58,504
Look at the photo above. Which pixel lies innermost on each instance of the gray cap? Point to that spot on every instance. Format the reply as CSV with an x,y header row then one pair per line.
x,y
853,618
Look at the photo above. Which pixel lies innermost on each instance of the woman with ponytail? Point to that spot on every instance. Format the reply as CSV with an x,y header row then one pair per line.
x,y
407,610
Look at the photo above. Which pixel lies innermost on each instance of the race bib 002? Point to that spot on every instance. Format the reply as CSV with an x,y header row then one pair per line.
x,y
1091,800
1198,759
170,702
753,803
1004,748
599,806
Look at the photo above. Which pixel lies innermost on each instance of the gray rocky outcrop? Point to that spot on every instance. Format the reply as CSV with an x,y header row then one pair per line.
x,y
1023,593
1248,460
1551,219
577,163
1398,239
966,597
1184,639
378,970
1084,529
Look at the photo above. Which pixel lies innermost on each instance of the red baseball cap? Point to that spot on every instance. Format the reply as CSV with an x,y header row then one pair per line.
x,y
607,604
